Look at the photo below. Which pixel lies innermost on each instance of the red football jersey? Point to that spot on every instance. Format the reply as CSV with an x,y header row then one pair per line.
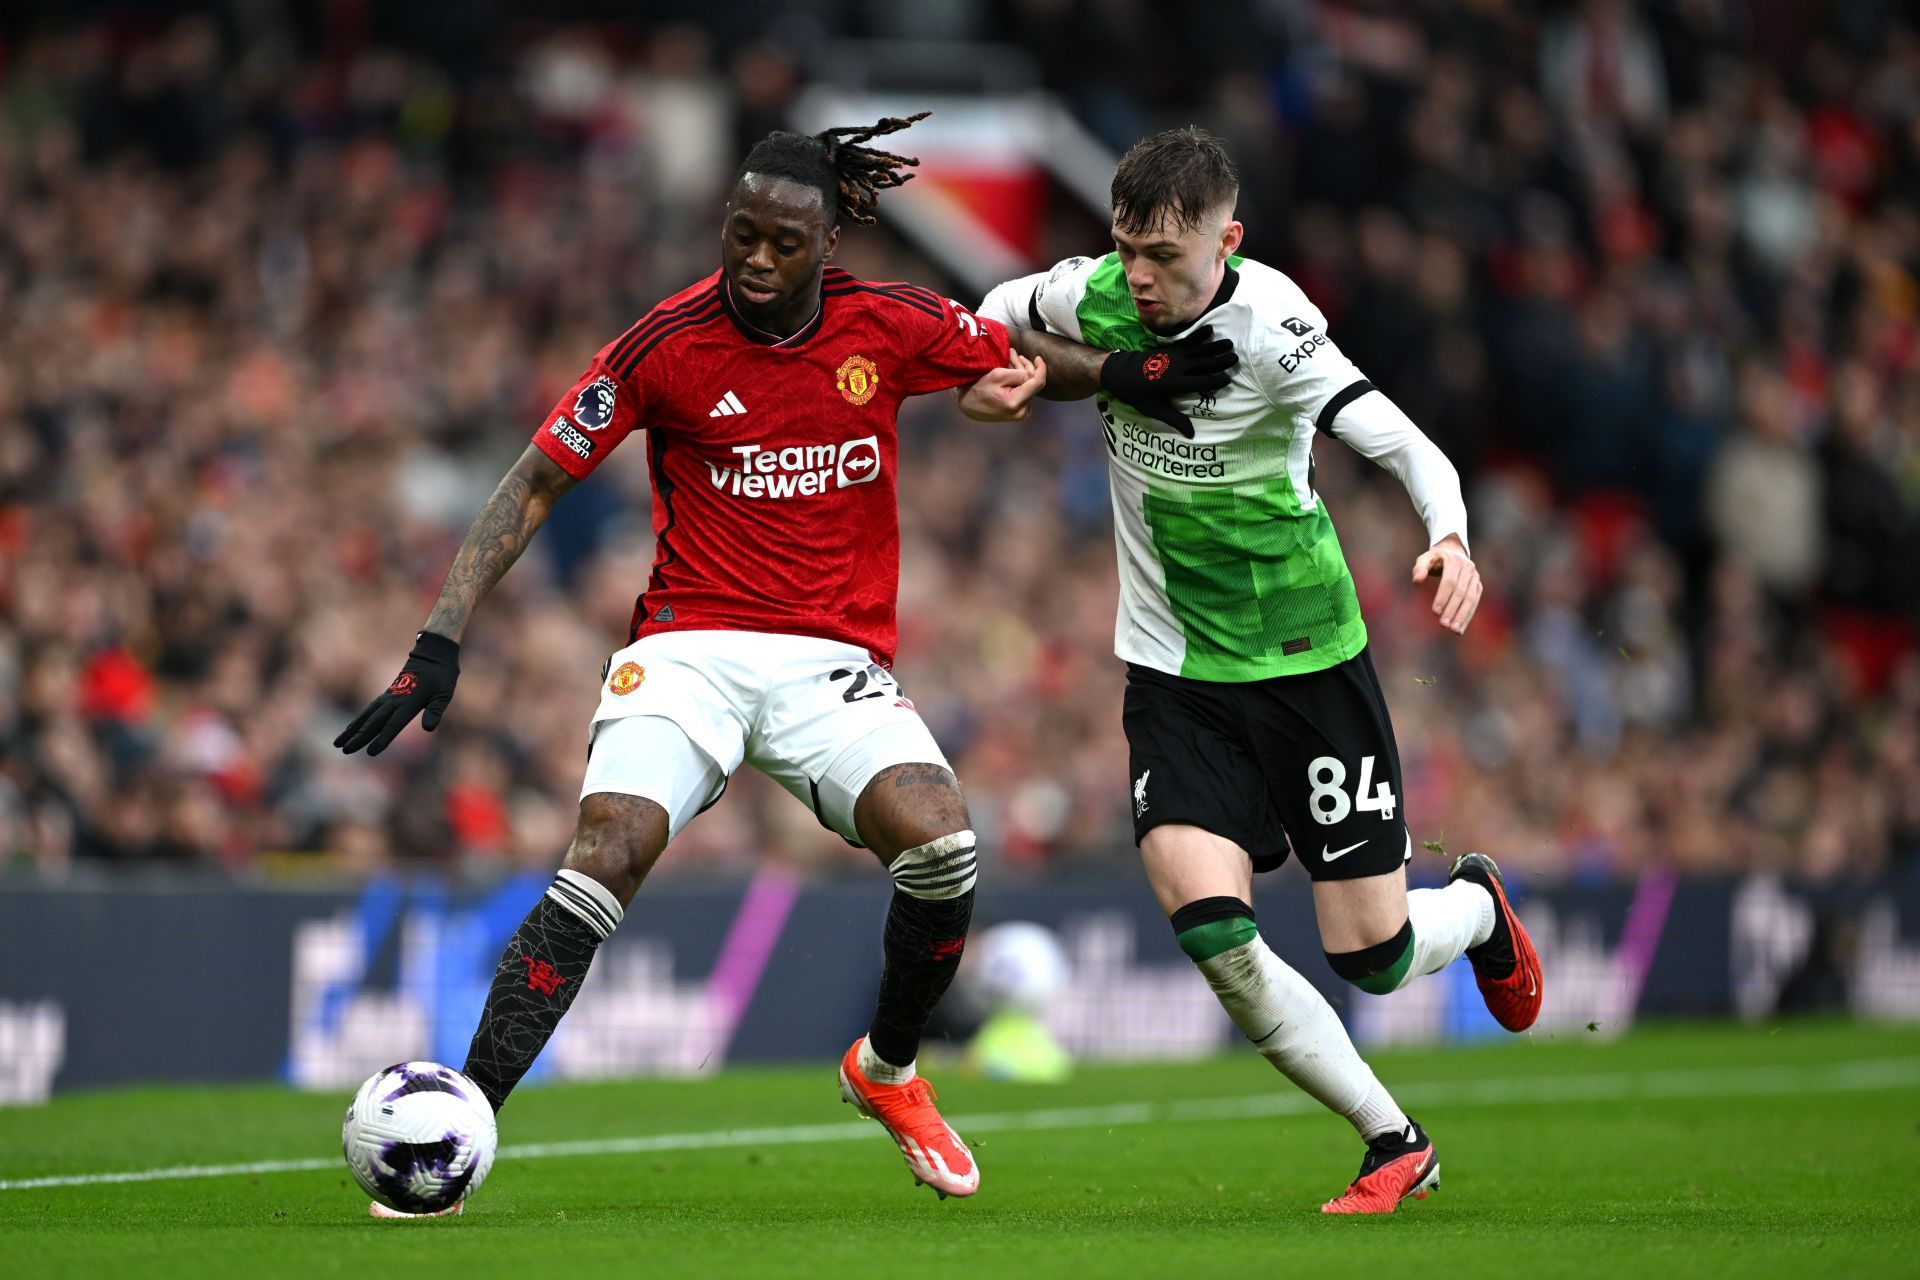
x,y
773,459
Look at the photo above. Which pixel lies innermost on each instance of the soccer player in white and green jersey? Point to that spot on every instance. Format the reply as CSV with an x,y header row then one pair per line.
x,y
1253,716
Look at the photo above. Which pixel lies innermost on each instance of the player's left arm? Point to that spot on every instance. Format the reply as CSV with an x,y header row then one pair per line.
x,y
1373,426
1150,380
1005,394
1299,369
1073,368
946,345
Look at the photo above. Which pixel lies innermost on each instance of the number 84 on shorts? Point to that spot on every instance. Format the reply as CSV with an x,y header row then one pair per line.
x,y
1327,797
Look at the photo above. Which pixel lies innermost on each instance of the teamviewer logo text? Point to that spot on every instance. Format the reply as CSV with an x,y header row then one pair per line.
x,y
797,471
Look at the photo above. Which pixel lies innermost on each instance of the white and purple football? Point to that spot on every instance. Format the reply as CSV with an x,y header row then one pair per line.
x,y
419,1137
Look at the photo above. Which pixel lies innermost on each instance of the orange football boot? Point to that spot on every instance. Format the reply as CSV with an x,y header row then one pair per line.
x,y
933,1151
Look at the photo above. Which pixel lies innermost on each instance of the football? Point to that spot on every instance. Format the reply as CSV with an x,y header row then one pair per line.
x,y
419,1137
1017,966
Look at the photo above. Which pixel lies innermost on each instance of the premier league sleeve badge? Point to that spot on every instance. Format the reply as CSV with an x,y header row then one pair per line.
x,y
593,407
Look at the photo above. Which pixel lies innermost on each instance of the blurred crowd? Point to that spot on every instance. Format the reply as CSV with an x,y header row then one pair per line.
x,y
281,299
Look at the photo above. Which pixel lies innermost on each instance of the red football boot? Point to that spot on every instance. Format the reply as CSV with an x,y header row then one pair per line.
x,y
1397,1166
1505,966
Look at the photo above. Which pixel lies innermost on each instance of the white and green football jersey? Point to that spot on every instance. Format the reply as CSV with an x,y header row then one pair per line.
x,y
1230,569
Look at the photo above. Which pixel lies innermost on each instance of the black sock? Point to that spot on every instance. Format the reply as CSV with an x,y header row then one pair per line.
x,y
545,962
924,940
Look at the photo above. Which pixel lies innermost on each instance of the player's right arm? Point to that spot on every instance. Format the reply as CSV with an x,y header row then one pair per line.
x,y
1073,368
1041,314
495,539
599,411
520,504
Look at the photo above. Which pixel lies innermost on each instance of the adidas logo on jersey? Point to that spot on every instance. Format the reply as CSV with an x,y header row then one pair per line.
x,y
729,405
797,470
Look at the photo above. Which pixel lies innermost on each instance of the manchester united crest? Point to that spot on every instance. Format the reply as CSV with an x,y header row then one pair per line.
x,y
627,678
858,378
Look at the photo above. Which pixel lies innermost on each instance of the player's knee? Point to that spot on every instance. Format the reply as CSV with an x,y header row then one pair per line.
x,y
1209,927
937,870
617,840
905,806
1378,969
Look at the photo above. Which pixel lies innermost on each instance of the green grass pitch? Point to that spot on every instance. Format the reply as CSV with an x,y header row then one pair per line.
x,y
1679,1151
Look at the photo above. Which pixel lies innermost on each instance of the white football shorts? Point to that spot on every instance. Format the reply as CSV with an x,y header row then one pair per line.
x,y
680,711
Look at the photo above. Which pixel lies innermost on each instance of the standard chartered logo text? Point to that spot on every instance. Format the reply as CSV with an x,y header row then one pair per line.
x,y
1169,455
797,470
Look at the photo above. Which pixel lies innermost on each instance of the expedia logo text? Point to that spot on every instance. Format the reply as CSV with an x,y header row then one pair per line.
x,y
1166,454
1303,353
797,471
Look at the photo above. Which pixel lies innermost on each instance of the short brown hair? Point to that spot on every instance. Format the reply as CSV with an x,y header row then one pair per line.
x,y
1181,174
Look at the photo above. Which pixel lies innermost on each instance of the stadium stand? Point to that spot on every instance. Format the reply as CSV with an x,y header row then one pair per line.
x,y
277,306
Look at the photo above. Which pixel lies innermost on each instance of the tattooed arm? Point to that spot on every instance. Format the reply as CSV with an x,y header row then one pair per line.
x,y
502,530
1073,368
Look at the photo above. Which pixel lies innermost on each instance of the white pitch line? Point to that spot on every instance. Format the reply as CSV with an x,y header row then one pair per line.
x,y
1836,1077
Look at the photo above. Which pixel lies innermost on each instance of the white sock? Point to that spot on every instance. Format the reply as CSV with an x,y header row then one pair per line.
x,y
1445,923
879,1070
1295,1029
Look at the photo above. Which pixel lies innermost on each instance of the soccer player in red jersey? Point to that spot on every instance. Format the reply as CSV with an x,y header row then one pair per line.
x,y
768,393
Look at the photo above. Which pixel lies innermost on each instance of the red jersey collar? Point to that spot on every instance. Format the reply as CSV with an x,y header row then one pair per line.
x,y
754,333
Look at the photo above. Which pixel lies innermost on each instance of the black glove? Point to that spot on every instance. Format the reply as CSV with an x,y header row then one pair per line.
x,y
426,681
1197,365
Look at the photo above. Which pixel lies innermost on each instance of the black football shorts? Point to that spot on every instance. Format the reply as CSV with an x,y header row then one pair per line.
x,y
1305,761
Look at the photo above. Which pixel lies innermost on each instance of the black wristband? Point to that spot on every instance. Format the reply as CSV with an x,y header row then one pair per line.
x,y
431,645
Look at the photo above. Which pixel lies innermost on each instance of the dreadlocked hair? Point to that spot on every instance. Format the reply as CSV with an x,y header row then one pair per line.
x,y
849,176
